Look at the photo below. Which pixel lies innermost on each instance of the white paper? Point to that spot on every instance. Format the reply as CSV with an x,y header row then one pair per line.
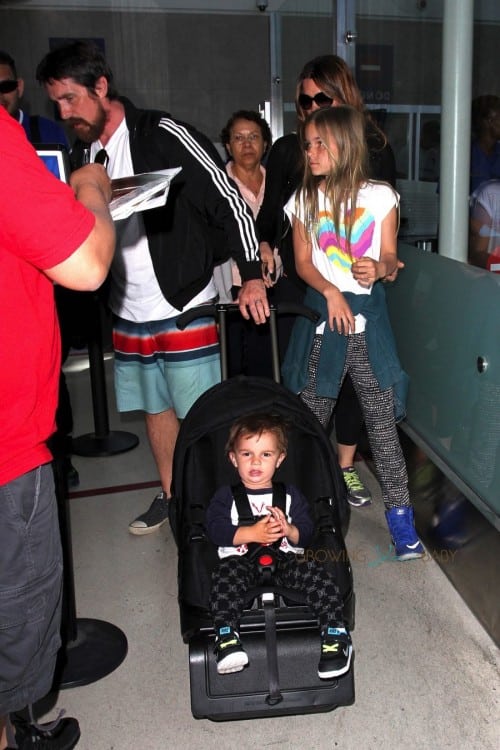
x,y
140,192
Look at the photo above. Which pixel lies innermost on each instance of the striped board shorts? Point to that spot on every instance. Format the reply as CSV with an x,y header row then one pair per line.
x,y
158,367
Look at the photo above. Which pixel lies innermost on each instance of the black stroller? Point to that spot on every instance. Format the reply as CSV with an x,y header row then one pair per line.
x,y
281,635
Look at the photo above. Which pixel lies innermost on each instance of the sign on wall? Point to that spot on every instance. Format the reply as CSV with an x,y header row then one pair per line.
x,y
374,72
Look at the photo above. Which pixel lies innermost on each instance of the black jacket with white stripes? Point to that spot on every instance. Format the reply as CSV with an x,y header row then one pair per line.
x,y
204,221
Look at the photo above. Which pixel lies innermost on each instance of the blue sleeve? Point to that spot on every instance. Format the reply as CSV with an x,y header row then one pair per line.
x,y
300,515
51,132
220,528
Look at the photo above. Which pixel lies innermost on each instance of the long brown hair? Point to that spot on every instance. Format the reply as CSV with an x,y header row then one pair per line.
x,y
348,172
333,76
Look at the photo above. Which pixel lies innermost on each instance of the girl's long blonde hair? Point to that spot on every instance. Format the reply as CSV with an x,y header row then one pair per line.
x,y
348,172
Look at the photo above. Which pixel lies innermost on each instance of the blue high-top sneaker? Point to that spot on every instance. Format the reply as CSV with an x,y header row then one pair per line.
x,y
401,524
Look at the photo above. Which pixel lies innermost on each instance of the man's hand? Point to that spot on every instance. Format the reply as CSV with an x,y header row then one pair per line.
x,y
252,300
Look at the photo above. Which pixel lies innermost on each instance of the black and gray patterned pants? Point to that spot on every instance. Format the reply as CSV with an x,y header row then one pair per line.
x,y
378,410
235,575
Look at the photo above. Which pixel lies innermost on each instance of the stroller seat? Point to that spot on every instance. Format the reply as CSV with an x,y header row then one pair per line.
x,y
280,634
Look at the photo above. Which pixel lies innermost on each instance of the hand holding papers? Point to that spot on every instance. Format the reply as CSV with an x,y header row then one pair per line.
x,y
140,192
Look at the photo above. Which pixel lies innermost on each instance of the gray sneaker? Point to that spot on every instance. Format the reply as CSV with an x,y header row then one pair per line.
x,y
357,494
153,518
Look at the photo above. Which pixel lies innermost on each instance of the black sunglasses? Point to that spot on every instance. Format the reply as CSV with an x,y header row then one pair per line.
x,y
322,100
7,87
102,158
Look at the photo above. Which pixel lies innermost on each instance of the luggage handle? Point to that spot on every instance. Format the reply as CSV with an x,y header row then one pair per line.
x,y
219,312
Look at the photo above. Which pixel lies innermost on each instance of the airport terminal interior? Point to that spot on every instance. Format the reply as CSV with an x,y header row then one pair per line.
x,y
426,639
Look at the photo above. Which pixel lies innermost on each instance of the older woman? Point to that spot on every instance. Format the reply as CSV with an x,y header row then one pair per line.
x,y
246,138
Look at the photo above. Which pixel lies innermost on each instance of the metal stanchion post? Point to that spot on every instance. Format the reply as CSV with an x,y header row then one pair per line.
x,y
103,441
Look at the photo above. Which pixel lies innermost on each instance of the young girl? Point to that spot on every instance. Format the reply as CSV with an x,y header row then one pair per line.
x,y
344,232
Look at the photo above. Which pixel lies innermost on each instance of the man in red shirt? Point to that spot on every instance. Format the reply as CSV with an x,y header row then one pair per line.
x,y
49,232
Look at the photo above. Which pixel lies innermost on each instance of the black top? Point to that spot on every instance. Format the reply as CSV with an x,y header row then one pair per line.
x,y
204,221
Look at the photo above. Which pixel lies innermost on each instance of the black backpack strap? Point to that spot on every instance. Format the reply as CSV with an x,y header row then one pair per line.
x,y
35,129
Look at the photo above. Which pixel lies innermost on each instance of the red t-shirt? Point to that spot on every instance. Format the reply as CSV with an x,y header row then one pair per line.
x,y
41,224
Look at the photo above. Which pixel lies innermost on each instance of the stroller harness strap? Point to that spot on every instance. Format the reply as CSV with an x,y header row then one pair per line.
x,y
245,515
247,518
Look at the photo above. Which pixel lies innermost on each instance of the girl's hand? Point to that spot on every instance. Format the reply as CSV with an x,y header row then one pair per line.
x,y
340,317
366,271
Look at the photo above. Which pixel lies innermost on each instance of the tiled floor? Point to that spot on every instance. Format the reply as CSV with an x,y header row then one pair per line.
x,y
426,672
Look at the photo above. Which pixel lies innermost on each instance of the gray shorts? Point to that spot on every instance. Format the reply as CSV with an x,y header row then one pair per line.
x,y
30,588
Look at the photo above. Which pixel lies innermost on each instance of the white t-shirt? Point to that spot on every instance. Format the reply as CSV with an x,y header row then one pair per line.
x,y
135,293
485,210
330,254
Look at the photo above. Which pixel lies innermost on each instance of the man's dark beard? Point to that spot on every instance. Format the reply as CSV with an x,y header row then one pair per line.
x,y
93,129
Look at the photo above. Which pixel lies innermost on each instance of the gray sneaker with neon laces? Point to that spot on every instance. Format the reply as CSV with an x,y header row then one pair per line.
x,y
357,494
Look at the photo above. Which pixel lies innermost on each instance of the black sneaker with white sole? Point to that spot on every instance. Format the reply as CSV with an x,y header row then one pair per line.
x,y
229,653
62,734
336,652
153,518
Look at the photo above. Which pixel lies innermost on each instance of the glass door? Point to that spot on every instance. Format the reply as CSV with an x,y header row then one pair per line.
x,y
299,31
398,69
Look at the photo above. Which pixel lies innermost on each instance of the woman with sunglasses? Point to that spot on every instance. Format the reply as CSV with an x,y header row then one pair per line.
x,y
325,81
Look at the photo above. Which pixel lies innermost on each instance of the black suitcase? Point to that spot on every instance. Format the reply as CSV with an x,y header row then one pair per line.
x,y
280,634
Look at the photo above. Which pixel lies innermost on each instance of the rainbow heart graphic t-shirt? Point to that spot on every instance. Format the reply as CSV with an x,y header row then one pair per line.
x,y
330,251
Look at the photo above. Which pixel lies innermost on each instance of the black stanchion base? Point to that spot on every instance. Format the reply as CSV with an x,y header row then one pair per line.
x,y
116,441
98,649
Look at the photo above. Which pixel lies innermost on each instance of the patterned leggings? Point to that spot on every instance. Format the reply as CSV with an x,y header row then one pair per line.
x,y
378,410
236,575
